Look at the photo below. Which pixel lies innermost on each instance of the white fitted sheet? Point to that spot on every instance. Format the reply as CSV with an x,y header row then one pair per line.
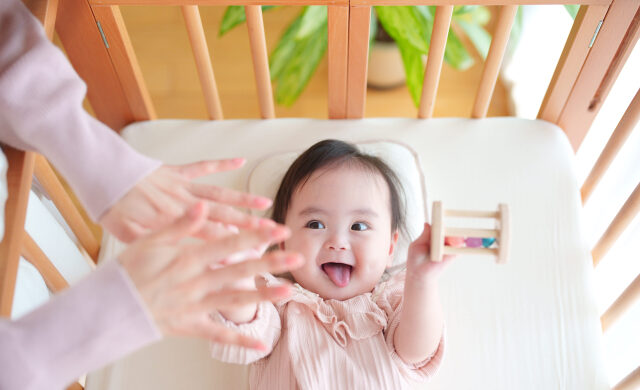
x,y
529,324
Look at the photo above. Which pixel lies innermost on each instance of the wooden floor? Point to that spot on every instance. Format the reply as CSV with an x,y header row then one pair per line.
x,y
160,41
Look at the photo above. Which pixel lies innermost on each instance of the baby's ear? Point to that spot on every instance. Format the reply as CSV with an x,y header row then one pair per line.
x,y
392,247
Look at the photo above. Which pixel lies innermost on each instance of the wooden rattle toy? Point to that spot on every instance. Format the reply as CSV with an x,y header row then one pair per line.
x,y
477,241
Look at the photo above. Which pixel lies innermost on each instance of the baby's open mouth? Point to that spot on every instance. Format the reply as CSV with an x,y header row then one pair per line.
x,y
340,274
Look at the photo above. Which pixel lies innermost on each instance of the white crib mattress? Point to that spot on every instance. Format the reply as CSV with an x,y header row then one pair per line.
x,y
529,324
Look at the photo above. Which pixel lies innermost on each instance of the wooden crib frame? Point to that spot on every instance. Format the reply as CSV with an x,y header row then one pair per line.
x,y
96,41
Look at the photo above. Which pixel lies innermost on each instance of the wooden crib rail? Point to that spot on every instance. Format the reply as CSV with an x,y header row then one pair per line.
x,y
34,255
54,189
630,382
260,58
203,60
494,60
19,176
615,41
626,125
441,24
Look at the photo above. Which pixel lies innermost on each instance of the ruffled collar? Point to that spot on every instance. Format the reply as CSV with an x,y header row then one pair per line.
x,y
355,318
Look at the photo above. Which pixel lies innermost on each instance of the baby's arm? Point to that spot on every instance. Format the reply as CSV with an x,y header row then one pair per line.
x,y
421,321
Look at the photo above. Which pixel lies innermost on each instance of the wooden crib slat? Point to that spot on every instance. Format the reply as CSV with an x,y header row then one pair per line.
x,y
630,382
601,68
125,62
615,143
75,386
570,63
49,181
434,60
45,11
337,52
34,255
623,303
258,43
624,217
19,177
468,2
359,20
494,60
198,41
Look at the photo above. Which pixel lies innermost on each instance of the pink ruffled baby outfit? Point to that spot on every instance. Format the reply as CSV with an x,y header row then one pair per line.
x,y
328,344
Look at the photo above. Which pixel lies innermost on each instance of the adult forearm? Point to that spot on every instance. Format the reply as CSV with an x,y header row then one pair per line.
x,y
81,329
41,109
421,321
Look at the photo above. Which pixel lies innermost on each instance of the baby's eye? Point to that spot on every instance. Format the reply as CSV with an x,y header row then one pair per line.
x,y
314,225
359,226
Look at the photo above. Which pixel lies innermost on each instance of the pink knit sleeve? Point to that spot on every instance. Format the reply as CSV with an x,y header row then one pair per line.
x,y
41,109
265,326
390,300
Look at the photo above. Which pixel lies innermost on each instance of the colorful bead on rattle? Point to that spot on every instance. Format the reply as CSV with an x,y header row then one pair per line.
x,y
493,242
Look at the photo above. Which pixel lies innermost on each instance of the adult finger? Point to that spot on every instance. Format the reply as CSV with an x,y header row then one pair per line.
x,y
215,231
228,299
198,258
187,225
127,230
274,262
203,168
228,215
229,197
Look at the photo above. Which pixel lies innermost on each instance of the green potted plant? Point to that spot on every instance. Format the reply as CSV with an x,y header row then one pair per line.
x,y
304,42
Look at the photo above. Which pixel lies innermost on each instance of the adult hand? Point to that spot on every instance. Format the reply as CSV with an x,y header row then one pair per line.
x,y
169,191
181,288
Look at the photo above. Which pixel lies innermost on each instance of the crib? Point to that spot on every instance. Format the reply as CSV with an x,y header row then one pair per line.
x,y
96,41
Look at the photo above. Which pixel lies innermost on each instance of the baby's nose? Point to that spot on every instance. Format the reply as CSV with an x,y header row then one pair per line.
x,y
337,243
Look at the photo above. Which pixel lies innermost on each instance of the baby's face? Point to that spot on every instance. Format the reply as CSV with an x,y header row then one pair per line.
x,y
340,220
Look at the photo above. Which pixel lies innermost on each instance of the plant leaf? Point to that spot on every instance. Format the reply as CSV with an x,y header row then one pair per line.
x,y
455,54
313,18
463,9
406,25
413,69
572,9
302,63
234,15
478,36
285,47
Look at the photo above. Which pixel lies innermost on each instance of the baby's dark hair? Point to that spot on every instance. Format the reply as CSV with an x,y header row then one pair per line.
x,y
334,153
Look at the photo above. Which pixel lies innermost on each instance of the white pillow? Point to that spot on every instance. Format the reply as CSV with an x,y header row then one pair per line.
x,y
266,176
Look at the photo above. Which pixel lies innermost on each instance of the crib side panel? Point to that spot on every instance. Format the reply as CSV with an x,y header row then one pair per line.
x,y
83,42
615,41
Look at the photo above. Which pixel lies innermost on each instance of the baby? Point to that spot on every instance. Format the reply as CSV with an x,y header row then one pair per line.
x,y
342,328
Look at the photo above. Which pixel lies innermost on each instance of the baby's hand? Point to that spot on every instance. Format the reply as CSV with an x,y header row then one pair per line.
x,y
419,264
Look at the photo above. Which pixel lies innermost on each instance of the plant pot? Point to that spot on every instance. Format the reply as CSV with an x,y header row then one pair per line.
x,y
386,69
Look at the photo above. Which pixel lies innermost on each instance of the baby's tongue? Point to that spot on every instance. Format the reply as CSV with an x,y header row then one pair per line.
x,y
340,274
